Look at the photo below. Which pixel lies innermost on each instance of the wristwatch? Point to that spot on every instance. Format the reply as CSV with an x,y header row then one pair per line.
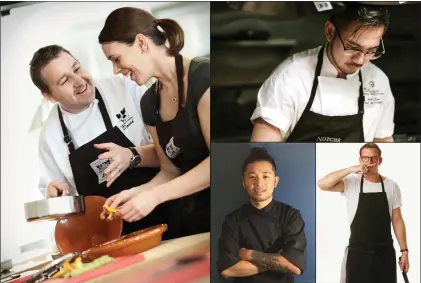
x,y
135,161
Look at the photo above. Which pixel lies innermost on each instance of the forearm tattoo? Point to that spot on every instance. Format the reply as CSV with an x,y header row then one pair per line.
x,y
270,262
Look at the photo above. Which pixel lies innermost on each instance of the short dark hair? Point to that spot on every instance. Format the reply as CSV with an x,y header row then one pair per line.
x,y
258,154
41,59
371,145
123,24
366,16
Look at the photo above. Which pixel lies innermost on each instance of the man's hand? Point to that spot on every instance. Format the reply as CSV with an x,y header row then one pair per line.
x,y
361,169
404,262
245,254
55,188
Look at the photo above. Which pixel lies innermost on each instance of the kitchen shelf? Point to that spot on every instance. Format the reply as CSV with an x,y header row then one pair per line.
x,y
278,42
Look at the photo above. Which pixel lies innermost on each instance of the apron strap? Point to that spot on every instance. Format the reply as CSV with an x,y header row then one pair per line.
x,y
103,110
180,85
361,184
105,117
381,180
180,71
361,97
315,80
66,137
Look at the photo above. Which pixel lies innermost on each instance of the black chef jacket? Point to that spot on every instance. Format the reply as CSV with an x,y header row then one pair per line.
x,y
276,228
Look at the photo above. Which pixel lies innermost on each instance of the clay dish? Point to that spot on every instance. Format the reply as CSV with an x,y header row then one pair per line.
x,y
79,233
130,244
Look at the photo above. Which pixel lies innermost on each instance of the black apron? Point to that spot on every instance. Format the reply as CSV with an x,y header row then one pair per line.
x,y
182,141
371,256
264,238
87,180
314,127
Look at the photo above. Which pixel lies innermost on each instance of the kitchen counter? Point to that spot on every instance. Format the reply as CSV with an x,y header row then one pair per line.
x,y
182,260
165,253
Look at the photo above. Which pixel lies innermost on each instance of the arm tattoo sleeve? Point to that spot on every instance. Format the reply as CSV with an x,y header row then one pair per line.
x,y
270,262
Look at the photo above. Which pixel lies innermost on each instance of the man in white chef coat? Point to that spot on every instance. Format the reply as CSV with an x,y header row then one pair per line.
x,y
91,134
332,93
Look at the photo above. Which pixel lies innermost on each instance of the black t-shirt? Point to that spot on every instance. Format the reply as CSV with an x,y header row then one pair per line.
x,y
198,83
276,229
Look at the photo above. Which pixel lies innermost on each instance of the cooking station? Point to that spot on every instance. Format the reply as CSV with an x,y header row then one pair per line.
x,y
91,249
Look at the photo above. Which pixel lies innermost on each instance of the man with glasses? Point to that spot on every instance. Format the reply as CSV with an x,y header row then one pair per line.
x,y
332,93
373,202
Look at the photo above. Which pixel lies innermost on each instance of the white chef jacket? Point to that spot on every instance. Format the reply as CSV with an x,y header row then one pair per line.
x,y
352,193
118,93
284,95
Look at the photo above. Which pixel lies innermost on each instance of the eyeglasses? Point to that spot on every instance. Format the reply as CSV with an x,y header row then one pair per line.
x,y
369,158
352,51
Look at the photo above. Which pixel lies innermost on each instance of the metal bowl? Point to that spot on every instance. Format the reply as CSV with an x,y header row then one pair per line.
x,y
54,208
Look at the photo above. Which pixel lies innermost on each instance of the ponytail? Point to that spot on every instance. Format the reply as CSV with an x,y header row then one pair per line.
x,y
123,24
173,33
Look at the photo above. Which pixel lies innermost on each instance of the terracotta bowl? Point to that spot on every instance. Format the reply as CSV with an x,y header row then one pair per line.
x,y
80,233
130,244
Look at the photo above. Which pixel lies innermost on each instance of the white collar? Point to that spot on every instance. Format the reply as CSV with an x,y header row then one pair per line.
x,y
328,70
65,112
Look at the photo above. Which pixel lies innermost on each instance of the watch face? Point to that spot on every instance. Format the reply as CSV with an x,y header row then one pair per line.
x,y
136,160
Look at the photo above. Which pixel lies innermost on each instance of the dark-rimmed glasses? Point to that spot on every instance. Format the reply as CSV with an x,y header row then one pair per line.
x,y
352,51
370,158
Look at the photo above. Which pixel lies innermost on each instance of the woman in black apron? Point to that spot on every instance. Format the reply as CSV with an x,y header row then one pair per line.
x,y
135,42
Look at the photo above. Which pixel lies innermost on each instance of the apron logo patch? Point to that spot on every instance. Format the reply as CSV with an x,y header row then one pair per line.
x,y
125,119
99,166
371,84
328,139
171,149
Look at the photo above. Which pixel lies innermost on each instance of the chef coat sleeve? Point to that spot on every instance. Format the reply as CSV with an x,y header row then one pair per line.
x,y
295,243
228,245
275,103
386,126
48,168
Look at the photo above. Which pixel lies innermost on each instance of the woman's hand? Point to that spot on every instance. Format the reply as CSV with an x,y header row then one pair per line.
x,y
117,200
120,160
138,206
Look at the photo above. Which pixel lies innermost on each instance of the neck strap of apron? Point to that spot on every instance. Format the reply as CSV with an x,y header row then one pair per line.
x,y
105,117
361,184
316,83
180,85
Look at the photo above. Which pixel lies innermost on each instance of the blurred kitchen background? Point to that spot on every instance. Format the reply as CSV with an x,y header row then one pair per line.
x,y
250,39
26,27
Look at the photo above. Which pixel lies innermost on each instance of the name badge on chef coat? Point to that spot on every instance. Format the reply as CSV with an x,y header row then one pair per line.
x,y
99,167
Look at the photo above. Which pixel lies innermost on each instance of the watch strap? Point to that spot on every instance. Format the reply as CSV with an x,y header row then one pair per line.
x,y
404,250
135,160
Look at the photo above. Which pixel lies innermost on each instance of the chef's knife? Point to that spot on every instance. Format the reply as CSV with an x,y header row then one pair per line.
x,y
405,276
